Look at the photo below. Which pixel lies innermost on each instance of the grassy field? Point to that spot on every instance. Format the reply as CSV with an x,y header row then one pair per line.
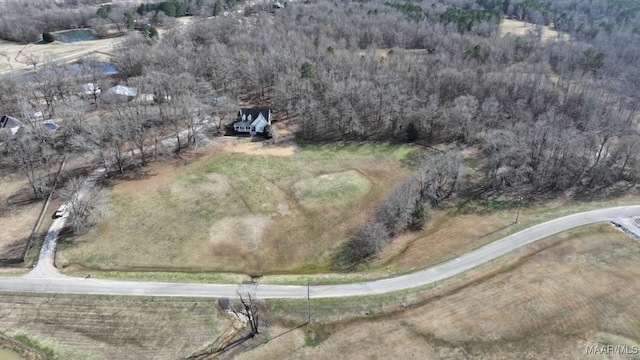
x,y
233,211
15,56
520,28
91,327
551,300
251,209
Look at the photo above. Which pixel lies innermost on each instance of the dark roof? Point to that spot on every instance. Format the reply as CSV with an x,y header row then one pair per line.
x,y
7,121
254,112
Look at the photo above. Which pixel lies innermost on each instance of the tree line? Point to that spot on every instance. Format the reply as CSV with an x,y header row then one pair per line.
x,y
26,21
545,114
129,133
405,207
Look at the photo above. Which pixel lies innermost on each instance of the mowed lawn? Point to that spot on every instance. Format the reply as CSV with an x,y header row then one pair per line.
x,y
236,212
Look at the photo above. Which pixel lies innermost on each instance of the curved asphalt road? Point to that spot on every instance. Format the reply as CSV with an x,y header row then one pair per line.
x,y
47,280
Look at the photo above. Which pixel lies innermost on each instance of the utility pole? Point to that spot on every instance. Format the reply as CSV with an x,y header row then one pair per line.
x,y
519,206
308,305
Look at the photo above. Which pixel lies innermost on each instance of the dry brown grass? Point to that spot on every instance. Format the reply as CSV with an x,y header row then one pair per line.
x,y
520,28
241,145
85,327
239,206
18,215
449,233
14,56
444,237
546,302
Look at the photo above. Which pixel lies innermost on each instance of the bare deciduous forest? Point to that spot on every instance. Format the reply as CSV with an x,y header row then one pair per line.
x,y
545,114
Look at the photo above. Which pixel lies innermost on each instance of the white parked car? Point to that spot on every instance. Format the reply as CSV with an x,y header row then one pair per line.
x,y
62,211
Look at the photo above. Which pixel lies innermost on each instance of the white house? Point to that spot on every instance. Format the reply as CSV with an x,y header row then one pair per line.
x,y
252,121
119,94
124,91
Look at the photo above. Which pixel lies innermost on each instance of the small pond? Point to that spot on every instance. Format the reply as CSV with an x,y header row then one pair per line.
x,y
70,36
104,67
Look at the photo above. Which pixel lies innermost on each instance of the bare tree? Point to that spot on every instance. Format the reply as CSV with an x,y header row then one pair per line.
x,y
396,210
33,155
194,119
440,175
224,108
131,56
117,18
84,204
10,95
32,59
93,79
109,140
463,115
251,311
136,122
503,154
364,244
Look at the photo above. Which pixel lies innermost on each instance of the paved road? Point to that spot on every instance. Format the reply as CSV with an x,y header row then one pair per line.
x,y
628,225
52,282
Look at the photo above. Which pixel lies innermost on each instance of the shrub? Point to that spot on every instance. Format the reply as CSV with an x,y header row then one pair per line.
x,y
48,38
365,243
412,132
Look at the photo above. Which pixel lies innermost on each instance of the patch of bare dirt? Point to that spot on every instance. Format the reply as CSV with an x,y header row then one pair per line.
x,y
245,145
148,181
